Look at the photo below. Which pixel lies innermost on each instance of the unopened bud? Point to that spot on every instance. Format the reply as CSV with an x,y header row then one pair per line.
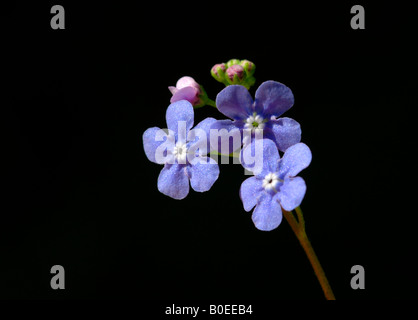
x,y
235,71
186,81
186,89
232,62
218,68
248,66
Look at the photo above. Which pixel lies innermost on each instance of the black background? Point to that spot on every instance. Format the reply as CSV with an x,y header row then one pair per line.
x,y
79,191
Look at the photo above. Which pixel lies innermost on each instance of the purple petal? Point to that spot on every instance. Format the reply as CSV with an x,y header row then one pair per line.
x,y
205,125
251,189
152,139
173,181
199,137
291,193
203,172
180,118
225,136
295,159
235,102
273,98
267,214
260,157
285,132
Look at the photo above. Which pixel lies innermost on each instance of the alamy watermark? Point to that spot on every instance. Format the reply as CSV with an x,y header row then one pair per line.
x,y
58,20
357,281
58,280
358,20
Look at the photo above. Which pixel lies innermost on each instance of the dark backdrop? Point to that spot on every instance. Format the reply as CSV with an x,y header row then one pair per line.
x,y
79,191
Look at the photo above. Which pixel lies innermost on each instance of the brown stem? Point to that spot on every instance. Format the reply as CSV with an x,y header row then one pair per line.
x,y
299,230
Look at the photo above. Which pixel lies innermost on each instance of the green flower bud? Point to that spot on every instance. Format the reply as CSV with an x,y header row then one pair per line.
x,y
232,62
248,66
218,72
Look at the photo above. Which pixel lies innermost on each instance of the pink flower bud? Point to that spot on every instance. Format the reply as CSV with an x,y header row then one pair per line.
x,y
172,89
235,70
187,93
247,64
186,89
216,66
184,82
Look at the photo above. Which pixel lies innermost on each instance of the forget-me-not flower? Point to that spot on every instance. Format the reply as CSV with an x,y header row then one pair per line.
x,y
272,99
182,151
275,186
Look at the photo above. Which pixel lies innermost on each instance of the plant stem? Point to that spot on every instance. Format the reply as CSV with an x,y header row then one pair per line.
x,y
210,102
298,228
231,155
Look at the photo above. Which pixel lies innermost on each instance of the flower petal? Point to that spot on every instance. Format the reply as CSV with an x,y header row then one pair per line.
x,y
267,214
180,118
291,193
295,159
190,94
203,172
172,89
251,189
187,81
225,136
152,139
173,181
260,157
199,137
205,125
235,102
273,98
285,132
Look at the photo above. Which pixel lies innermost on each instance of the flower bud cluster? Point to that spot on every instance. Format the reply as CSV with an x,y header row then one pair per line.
x,y
235,71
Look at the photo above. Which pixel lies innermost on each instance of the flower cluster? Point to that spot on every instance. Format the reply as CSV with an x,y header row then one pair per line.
x,y
258,131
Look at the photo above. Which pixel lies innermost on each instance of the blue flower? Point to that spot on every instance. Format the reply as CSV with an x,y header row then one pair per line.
x,y
275,185
272,99
182,151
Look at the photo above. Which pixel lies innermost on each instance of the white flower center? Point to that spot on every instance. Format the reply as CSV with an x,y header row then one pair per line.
x,y
180,152
254,122
270,181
